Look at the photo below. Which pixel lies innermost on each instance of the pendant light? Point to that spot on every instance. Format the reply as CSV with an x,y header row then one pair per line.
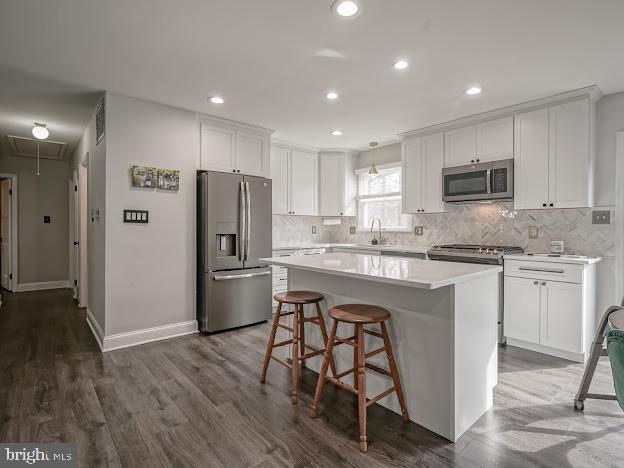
x,y
40,132
373,170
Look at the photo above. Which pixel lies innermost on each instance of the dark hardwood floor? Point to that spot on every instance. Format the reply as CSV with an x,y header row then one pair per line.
x,y
197,401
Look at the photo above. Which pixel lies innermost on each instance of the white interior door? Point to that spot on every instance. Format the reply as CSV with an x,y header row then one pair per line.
x,y
5,234
83,220
75,234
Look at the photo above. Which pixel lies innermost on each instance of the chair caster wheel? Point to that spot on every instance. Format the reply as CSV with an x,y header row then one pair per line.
x,y
579,405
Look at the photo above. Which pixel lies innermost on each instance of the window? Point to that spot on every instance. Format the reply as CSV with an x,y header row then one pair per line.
x,y
380,197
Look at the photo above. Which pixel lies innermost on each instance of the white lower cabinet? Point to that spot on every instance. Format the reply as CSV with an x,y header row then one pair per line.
x,y
552,316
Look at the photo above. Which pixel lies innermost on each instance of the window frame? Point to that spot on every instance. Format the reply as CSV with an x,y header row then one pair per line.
x,y
388,195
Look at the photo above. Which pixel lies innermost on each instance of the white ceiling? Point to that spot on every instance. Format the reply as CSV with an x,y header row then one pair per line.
x,y
273,60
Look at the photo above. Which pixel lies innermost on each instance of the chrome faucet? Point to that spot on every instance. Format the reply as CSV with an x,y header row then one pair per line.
x,y
375,241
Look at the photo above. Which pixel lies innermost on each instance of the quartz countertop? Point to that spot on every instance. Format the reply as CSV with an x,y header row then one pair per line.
x,y
413,272
554,258
364,247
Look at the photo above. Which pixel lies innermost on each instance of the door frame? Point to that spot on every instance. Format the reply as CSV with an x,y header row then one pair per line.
x,y
83,225
619,213
13,282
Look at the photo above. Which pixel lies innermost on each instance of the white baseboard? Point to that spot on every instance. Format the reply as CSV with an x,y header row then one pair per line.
x,y
22,287
546,350
95,329
133,338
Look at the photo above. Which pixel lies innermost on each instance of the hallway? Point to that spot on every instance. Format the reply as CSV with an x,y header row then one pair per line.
x,y
197,401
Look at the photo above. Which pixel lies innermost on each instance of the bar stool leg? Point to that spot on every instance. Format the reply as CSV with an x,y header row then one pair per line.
x,y
323,373
355,358
361,385
319,314
395,372
269,351
302,348
295,355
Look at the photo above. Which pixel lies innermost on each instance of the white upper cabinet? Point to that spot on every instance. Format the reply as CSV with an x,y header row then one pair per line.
x,y
338,184
531,159
553,157
252,157
218,148
495,140
295,180
460,146
303,186
280,174
569,155
423,160
228,146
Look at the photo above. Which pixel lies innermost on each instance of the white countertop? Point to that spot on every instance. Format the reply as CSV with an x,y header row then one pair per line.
x,y
382,248
413,272
573,259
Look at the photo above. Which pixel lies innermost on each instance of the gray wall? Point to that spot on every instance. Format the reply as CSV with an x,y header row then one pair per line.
x,y
43,249
383,155
96,230
150,268
609,120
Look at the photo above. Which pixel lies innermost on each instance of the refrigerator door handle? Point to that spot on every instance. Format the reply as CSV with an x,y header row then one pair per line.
x,y
241,222
248,221
246,275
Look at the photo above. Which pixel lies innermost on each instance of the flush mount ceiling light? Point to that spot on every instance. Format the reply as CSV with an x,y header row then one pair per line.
x,y
331,95
337,132
346,8
217,100
401,64
373,170
473,90
40,132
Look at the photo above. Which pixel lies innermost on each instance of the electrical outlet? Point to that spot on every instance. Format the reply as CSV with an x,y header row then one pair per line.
x,y
601,217
313,229
418,230
352,230
533,232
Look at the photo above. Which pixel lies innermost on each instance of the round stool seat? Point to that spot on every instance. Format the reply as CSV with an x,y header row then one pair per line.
x,y
299,297
359,313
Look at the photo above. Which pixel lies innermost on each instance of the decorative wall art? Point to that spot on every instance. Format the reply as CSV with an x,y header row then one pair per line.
x,y
169,179
99,122
143,176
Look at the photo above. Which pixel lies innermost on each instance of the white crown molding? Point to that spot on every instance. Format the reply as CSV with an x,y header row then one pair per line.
x,y
593,92
23,287
292,145
221,122
338,151
147,335
95,329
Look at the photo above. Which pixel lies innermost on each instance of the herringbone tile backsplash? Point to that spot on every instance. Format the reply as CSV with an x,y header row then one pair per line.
x,y
491,224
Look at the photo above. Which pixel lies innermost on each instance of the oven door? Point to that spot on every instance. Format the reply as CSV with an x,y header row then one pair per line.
x,y
464,183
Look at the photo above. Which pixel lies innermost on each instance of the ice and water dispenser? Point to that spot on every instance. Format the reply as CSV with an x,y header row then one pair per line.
x,y
226,240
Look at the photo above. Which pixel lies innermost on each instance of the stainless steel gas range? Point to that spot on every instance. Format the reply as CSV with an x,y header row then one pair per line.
x,y
488,254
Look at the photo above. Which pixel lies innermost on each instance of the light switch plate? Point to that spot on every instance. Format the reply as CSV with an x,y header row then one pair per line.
x,y
601,217
533,232
418,230
352,230
313,229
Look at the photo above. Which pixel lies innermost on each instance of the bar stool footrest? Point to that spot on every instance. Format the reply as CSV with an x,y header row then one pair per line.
x,y
283,363
340,384
378,369
285,327
380,396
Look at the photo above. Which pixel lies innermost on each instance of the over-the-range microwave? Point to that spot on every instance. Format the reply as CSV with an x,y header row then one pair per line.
x,y
477,182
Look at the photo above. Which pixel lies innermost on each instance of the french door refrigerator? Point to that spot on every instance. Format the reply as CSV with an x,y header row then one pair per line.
x,y
233,233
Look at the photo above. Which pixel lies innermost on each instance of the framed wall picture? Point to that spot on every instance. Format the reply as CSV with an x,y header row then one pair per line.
x,y
99,122
169,179
144,176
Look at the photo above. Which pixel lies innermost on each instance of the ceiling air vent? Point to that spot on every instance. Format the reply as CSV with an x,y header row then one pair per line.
x,y
28,147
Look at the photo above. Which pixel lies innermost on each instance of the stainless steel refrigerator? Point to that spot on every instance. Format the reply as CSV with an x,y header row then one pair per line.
x,y
233,233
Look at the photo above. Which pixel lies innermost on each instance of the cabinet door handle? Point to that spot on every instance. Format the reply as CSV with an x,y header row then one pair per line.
x,y
543,283
552,204
541,270
535,283
543,204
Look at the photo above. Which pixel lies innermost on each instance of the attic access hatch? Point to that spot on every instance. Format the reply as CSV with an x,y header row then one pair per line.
x,y
28,147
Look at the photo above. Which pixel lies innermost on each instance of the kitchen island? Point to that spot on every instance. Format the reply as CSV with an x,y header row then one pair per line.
x,y
443,329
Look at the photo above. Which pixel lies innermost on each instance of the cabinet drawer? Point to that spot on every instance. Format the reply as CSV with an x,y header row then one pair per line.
x,y
544,271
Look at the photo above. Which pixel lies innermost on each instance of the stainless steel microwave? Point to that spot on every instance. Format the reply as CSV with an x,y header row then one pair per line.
x,y
481,181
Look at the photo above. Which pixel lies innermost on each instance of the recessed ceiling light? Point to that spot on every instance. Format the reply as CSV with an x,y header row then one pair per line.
x,y
337,132
332,95
345,8
401,65
40,132
217,100
473,90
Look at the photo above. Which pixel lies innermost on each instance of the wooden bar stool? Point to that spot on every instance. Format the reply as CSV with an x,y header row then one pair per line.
x,y
360,315
299,346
